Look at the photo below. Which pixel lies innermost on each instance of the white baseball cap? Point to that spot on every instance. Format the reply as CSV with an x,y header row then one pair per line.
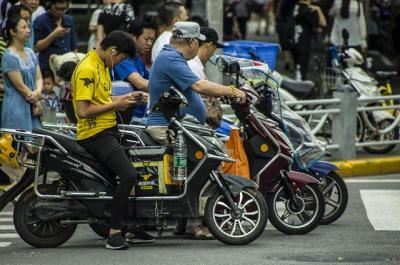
x,y
188,30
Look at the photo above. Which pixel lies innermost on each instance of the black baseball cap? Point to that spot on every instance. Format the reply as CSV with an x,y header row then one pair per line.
x,y
211,36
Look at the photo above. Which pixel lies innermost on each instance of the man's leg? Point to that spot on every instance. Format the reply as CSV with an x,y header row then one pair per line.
x,y
106,148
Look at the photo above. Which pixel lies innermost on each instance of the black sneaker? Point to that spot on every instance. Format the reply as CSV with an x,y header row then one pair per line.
x,y
116,241
138,237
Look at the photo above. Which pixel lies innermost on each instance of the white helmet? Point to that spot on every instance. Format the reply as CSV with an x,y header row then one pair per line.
x,y
353,57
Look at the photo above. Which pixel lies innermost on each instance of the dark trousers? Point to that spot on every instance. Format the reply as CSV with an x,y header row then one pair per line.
x,y
302,59
242,21
106,148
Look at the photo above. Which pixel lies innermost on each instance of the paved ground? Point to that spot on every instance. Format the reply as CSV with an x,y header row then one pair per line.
x,y
368,233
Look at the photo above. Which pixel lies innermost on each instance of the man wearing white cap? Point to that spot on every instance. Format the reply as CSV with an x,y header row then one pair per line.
x,y
171,69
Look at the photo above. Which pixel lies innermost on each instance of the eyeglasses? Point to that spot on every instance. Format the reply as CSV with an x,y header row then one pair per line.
x,y
61,9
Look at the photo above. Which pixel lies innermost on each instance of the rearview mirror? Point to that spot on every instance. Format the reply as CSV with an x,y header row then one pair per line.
x,y
222,65
234,67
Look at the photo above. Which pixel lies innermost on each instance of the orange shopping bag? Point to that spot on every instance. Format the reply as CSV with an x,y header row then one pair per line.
x,y
236,150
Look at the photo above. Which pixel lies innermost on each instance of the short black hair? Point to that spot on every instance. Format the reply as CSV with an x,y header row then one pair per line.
x,y
16,10
53,2
203,22
121,40
136,26
168,11
48,74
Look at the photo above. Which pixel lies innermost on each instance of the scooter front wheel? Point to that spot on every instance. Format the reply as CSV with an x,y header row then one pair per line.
x,y
35,231
237,227
296,218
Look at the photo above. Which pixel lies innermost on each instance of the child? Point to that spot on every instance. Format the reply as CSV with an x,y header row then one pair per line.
x,y
50,100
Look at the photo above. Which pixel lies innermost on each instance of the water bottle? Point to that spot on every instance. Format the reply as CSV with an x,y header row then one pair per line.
x,y
180,158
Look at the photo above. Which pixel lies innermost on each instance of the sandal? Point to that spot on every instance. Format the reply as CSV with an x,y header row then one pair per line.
x,y
200,233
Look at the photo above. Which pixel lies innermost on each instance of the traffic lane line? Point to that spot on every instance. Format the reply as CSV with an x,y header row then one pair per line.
x,y
382,208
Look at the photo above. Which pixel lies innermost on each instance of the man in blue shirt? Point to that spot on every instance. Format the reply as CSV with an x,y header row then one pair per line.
x,y
54,32
133,70
171,69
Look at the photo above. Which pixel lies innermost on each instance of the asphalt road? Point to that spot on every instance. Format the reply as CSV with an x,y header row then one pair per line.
x,y
368,233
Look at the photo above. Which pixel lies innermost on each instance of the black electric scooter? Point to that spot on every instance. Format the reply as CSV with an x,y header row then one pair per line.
x,y
64,186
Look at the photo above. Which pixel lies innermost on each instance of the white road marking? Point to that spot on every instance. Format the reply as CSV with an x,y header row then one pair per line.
x,y
382,208
9,235
372,180
6,213
9,219
5,244
7,227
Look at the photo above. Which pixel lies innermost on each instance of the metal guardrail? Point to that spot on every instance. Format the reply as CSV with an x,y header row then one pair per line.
x,y
361,108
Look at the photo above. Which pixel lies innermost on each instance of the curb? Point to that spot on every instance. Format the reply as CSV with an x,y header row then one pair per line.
x,y
368,167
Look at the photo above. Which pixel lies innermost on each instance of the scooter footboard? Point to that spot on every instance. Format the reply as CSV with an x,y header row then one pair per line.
x,y
301,178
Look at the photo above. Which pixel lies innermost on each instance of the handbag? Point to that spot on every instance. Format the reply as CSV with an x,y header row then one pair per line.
x,y
236,150
213,112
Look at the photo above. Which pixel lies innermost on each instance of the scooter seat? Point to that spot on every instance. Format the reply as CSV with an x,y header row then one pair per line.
x,y
298,88
68,142
143,135
386,74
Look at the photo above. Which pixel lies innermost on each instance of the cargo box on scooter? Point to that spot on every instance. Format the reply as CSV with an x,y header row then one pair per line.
x,y
153,167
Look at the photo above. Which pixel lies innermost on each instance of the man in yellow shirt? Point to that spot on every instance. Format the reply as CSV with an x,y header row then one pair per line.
x,y
97,128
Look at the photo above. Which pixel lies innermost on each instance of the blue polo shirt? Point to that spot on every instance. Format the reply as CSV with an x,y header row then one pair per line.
x,y
171,69
43,26
125,69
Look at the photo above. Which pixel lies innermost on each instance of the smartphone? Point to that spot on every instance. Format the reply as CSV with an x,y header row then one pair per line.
x,y
66,24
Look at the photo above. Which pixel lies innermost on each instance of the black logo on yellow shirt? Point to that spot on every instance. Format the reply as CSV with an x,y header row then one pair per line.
x,y
87,81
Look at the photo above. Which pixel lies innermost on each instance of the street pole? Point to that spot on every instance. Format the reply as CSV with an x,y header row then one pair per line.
x,y
344,124
214,14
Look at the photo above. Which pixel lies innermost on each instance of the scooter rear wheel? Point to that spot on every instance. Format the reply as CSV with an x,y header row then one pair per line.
x,y
237,228
34,231
293,219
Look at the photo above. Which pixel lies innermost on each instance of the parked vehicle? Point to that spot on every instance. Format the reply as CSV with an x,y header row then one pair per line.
x,y
308,151
294,200
64,186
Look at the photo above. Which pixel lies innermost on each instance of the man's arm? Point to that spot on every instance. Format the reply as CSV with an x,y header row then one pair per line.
x,y
212,89
58,32
85,109
138,81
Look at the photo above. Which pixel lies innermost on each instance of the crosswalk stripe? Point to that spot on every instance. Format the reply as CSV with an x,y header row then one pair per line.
x,y
7,227
382,208
9,235
6,213
5,244
372,180
3,220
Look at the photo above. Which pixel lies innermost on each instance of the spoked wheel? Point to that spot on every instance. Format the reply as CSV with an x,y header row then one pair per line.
x,y
296,218
392,135
237,227
335,196
33,230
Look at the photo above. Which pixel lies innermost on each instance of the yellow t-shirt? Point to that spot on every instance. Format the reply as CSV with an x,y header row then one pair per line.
x,y
91,81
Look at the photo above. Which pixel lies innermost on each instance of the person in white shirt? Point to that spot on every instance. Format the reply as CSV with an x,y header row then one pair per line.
x,y
93,24
206,50
349,14
35,7
169,14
